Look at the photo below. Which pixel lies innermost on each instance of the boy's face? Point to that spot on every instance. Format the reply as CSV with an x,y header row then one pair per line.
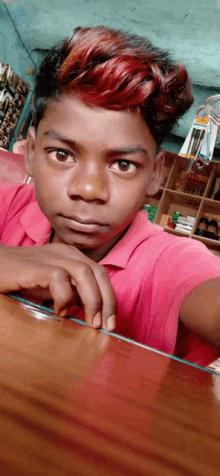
x,y
91,168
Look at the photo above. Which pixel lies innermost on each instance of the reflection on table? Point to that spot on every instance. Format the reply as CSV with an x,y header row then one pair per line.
x,y
79,401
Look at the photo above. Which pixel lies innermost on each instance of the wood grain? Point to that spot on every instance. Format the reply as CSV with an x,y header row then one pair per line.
x,y
76,401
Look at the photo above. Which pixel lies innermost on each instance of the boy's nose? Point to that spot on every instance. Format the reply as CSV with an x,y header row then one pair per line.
x,y
89,187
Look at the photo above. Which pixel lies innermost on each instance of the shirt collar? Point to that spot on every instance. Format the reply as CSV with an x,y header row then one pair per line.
x,y
35,224
140,230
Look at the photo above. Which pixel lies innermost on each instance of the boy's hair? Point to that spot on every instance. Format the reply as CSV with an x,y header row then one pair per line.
x,y
117,71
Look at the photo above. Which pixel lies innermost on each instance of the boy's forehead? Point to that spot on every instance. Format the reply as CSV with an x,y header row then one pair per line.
x,y
70,118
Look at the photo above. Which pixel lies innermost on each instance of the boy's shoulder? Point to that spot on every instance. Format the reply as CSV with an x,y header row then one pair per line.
x,y
152,237
22,223
15,198
148,245
143,241
22,193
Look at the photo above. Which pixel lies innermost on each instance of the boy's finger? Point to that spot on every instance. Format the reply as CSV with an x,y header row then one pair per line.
x,y
61,289
95,291
109,305
82,277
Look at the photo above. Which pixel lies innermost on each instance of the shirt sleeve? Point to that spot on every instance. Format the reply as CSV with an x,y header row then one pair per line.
x,y
180,268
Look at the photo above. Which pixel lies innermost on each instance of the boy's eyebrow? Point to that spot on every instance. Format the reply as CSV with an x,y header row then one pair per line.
x,y
135,149
110,153
70,142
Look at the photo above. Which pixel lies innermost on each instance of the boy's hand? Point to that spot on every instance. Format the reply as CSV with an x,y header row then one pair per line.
x,y
66,274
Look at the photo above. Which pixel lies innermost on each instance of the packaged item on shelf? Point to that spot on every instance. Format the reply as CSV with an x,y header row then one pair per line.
x,y
146,208
171,224
202,226
151,218
164,220
152,210
190,219
183,225
200,141
175,216
179,227
183,229
11,80
3,69
13,92
182,220
212,229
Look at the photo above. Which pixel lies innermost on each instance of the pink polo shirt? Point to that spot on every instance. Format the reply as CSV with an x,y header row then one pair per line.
x,y
151,272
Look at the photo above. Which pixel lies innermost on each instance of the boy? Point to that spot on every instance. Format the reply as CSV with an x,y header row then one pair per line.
x,y
104,101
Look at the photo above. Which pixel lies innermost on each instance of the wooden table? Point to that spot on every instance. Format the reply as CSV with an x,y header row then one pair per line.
x,y
76,401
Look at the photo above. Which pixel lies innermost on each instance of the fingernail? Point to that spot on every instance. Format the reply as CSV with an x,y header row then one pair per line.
x,y
111,323
63,313
97,320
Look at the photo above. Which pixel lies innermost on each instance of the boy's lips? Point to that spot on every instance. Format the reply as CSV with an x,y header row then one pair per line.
x,y
84,225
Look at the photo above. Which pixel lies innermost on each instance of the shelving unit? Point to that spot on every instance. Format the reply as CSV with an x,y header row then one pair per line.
x,y
169,200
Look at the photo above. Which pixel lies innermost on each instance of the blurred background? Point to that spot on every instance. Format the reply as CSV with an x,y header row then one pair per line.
x,y
189,30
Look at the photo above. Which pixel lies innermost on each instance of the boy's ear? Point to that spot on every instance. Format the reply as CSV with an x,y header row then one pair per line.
x,y
157,173
29,151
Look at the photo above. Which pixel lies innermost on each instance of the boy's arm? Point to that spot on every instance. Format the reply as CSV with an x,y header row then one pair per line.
x,y
200,311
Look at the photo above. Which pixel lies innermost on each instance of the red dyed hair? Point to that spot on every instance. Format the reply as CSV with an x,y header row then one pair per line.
x,y
115,70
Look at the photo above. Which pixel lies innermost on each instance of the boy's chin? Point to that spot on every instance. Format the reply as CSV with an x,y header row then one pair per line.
x,y
87,243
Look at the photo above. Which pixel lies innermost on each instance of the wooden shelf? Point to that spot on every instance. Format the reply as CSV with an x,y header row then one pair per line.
x,y
186,195
172,231
210,200
168,200
214,244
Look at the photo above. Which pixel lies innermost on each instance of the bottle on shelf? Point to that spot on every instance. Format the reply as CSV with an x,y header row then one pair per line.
x,y
196,183
216,191
202,226
178,185
212,228
217,196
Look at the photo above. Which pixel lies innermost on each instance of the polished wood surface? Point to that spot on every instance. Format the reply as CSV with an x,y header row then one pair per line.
x,y
76,401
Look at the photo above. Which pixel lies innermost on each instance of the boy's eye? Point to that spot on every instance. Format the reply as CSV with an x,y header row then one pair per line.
x,y
124,166
61,156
